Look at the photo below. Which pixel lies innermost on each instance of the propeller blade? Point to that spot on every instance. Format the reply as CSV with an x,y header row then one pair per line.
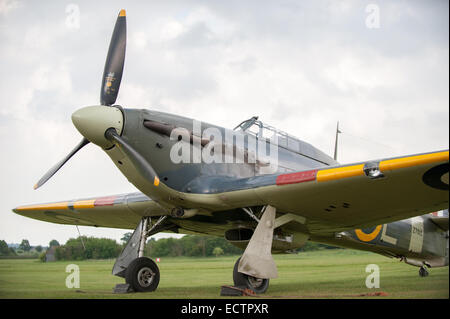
x,y
137,159
55,168
112,75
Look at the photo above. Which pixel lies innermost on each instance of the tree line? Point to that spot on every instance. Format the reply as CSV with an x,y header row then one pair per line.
x,y
23,250
191,246
82,248
205,246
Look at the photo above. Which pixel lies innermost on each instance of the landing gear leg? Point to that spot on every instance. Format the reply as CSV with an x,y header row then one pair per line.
x,y
256,266
140,273
423,272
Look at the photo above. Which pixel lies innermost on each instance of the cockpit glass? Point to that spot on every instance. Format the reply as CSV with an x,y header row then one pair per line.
x,y
263,131
254,129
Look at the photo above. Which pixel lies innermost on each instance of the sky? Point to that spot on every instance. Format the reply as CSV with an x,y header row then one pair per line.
x,y
380,68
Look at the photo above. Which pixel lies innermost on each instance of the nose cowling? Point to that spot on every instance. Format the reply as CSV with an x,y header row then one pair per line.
x,y
93,121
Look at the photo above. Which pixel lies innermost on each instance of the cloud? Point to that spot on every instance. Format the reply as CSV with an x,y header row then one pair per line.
x,y
8,5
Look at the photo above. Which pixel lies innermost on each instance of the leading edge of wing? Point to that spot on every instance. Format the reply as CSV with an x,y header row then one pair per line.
x,y
91,202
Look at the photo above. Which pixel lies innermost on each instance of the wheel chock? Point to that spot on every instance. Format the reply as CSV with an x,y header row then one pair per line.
x,y
122,289
236,291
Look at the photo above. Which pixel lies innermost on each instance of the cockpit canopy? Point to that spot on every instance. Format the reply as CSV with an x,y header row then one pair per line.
x,y
261,130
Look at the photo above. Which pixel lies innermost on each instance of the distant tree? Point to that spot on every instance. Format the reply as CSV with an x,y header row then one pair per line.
x,y
217,251
53,242
25,245
126,237
3,247
38,248
202,245
94,248
5,250
43,256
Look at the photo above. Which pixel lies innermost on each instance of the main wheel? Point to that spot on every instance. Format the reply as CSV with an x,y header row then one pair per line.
x,y
258,285
423,272
142,275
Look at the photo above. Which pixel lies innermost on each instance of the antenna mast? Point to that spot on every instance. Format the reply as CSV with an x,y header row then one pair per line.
x,y
336,141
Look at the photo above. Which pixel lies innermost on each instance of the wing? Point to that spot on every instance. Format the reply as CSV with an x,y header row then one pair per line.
x,y
117,211
364,194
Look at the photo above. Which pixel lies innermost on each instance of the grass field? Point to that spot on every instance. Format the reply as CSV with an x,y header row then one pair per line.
x,y
319,274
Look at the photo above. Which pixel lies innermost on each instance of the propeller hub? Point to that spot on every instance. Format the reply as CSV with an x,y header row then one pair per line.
x,y
93,121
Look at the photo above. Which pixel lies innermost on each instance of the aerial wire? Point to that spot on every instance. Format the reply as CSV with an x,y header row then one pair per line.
x,y
79,234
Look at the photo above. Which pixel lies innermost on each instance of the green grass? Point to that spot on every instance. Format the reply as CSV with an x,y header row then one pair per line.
x,y
319,274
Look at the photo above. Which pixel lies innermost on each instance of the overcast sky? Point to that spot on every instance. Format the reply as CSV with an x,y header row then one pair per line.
x,y
381,68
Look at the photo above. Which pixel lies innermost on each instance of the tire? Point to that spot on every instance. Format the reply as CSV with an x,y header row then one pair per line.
x,y
423,272
258,285
142,275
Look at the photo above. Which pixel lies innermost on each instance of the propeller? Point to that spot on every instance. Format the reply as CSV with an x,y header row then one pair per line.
x,y
112,76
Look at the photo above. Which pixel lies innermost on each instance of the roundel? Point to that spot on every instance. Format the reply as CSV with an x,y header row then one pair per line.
x,y
437,177
368,236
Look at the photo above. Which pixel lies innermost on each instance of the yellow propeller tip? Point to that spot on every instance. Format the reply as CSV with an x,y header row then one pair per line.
x,y
122,13
35,186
